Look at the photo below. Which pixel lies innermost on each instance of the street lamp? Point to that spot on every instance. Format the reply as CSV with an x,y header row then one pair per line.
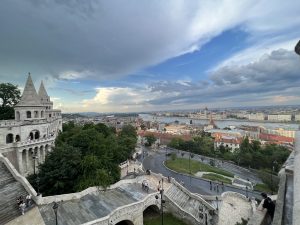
x,y
55,208
38,185
217,202
247,191
161,201
34,158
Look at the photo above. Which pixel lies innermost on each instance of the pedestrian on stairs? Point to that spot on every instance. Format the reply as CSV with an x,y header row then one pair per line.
x,y
28,200
22,207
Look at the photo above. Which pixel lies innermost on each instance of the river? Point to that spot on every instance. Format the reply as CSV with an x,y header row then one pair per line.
x,y
220,123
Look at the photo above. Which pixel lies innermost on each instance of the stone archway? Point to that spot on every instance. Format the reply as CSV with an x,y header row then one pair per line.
x,y
150,212
125,222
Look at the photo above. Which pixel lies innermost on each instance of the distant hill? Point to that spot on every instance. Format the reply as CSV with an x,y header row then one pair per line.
x,y
72,115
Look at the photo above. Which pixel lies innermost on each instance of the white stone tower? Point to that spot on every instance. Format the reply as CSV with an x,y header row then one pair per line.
x,y
26,140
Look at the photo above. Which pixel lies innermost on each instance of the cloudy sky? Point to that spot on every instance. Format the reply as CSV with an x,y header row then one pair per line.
x,y
121,56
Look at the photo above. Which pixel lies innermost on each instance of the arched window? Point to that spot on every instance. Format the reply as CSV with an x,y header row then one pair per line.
x,y
18,138
9,138
36,114
37,135
28,114
42,114
31,136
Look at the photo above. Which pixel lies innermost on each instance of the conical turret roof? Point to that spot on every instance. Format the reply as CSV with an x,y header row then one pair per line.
x,y
29,96
42,91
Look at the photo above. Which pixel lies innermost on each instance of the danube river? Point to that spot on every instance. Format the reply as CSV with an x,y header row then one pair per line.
x,y
220,123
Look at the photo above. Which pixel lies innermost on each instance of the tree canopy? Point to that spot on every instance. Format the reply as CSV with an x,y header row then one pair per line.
x,y
251,154
85,156
9,96
150,139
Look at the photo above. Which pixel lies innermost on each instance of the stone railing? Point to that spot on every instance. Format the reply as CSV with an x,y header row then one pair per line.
x,y
19,177
127,212
192,195
7,147
9,123
32,121
259,216
234,194
78,195
36,141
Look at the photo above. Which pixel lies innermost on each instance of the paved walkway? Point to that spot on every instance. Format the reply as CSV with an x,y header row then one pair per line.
x,y
237,208
32,217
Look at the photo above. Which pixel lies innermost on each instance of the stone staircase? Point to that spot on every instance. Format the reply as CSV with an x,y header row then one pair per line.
x,y
10,190
93,205
187,203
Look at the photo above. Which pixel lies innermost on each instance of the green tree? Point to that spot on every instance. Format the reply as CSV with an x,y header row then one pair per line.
x,y
59,173
150,138
9,96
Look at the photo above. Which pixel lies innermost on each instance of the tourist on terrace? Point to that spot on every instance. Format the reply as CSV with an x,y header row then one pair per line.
x,y
269,205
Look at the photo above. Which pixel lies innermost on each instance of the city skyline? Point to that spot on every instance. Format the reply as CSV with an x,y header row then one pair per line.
x,y
146,56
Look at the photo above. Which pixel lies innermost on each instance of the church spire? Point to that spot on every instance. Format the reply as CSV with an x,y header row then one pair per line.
x,y
29,96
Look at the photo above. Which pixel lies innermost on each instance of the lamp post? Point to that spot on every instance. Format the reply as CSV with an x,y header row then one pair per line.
x,y
34,158
161,201
55,208
247,191
217,202
38,185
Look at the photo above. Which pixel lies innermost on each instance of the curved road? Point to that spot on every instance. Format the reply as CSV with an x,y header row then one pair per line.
x,y
154,162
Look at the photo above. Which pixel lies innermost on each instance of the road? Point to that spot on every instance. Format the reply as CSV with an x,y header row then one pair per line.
x,y
230,167
153,160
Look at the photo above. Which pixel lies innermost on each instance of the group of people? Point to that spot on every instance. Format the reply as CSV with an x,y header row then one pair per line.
x,y
215,186
23,203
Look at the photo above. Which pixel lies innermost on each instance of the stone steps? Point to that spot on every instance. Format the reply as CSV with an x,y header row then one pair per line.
x,y
183,200
10,190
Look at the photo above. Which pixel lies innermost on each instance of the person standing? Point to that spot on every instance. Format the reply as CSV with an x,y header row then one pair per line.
x,y
269,205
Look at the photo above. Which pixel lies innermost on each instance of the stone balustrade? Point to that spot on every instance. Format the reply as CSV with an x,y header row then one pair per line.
x,y
33,121
35,141
127,212
259,216
19,178
192,195
9,123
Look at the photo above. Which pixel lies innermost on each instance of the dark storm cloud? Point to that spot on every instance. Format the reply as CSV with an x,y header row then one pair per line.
x,y
275,74
96,39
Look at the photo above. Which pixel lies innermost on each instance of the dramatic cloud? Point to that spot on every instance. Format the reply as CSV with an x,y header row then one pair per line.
x,y
94,41
273,78
101,39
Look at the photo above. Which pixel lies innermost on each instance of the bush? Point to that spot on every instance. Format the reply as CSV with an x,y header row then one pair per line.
x,y
173,156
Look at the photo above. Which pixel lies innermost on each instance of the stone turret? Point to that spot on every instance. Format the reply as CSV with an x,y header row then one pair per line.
x,y
44,97
30,106
29,96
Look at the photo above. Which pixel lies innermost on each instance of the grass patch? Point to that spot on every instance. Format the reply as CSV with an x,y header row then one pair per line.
x,y
216,177
182,165
169,219
262,188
